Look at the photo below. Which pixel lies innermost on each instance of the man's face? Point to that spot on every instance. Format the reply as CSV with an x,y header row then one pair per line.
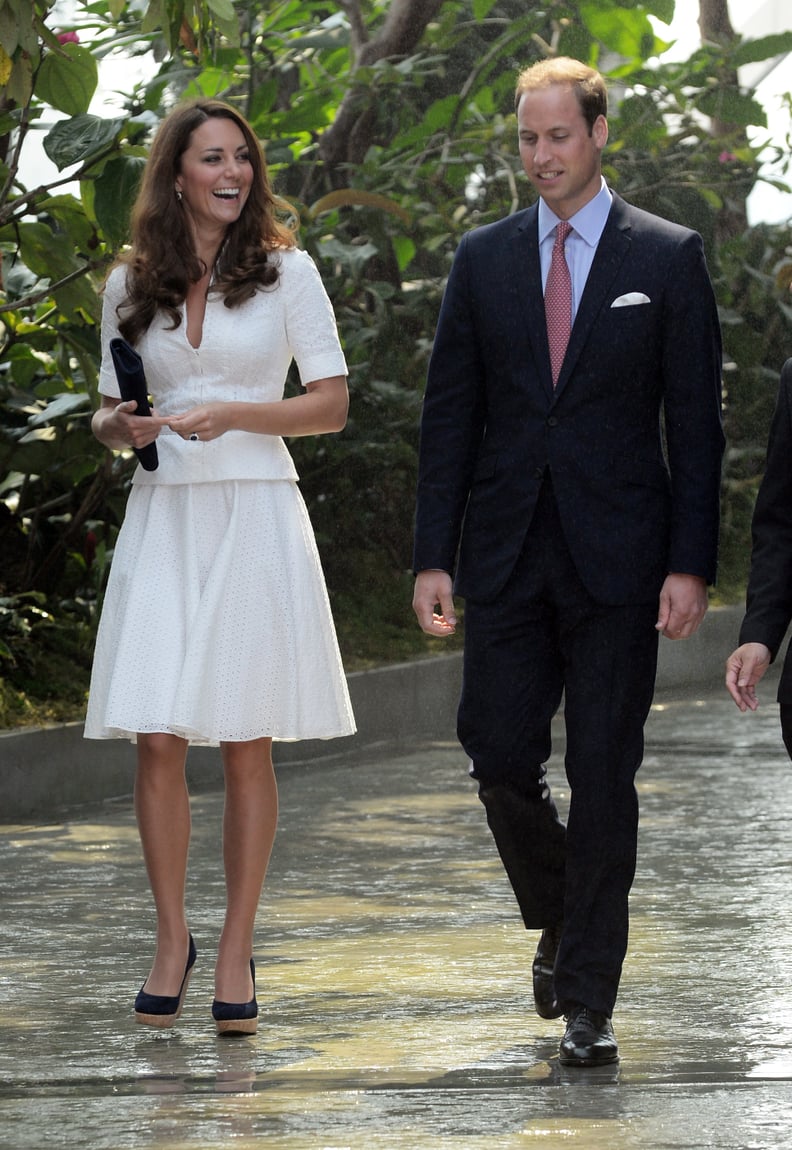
x,y
560,157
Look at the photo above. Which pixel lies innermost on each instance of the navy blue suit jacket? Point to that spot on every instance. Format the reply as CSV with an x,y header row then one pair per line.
x,y
769,598
631,435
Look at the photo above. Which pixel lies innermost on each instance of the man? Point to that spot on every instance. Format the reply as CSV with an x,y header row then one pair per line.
x,y
769,597
575,536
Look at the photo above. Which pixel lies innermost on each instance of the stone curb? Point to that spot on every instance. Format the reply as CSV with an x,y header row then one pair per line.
x,y
45,771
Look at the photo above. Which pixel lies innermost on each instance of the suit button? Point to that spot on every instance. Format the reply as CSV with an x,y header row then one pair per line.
x,y
552,421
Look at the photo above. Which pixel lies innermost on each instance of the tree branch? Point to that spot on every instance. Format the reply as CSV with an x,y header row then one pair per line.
x,y
357,24
46,293
716,27
349,136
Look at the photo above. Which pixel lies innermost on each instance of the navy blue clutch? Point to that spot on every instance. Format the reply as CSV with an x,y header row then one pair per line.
x,y
132,383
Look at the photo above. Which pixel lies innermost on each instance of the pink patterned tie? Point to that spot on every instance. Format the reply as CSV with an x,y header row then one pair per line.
x,y
558,301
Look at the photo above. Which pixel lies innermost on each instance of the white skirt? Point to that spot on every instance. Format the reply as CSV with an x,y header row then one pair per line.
x,y
216,624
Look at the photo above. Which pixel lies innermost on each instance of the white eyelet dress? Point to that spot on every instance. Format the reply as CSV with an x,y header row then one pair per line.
x,y
216,624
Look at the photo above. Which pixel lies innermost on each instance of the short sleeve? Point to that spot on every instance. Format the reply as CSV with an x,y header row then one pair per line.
x,y
310,323
114,291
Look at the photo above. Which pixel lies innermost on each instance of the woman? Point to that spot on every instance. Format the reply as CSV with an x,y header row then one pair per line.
x,y
769,597
216,627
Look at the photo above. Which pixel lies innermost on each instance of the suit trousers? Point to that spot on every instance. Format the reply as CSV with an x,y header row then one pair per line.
x,y
542,639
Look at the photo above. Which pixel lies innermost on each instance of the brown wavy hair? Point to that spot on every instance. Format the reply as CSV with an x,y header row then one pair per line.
x,y
162,261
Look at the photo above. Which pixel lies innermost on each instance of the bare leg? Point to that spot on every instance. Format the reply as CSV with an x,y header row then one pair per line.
x,y
249,823
162,806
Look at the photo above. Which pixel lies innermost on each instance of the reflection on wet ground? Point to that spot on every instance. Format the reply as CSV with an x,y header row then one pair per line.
x,y
394,975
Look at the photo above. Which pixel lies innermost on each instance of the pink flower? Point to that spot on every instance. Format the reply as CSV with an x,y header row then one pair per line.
x,y
727,157
68,38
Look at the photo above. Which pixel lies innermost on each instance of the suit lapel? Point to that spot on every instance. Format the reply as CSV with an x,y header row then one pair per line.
x,y
612,248
528,275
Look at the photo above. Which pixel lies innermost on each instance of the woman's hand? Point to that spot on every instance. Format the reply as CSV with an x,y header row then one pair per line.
x,y
321,408
208,421
117,427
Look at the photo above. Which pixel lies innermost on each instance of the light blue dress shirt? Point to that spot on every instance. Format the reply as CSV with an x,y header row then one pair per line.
x,y
581,244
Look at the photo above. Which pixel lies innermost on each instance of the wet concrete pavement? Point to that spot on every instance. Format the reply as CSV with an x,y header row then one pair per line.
x,y
394,976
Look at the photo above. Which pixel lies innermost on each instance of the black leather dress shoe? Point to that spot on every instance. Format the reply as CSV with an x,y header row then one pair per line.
x,y
589,1039
543,965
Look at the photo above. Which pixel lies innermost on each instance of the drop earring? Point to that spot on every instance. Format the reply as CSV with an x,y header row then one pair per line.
x,y
178,195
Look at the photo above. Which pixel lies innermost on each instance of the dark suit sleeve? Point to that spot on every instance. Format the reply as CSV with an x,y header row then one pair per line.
x,y
452,424
692,365
769,597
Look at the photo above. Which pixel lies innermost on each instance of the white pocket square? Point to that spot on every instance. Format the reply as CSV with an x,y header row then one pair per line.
x,y
631,298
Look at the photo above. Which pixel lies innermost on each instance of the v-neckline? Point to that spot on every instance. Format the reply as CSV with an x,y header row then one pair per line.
x,y
195,346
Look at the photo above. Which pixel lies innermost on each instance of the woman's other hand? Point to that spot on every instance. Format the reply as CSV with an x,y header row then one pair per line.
x,y
117,427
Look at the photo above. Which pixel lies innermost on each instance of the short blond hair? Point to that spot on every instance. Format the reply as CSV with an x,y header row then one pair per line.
x,y
587,84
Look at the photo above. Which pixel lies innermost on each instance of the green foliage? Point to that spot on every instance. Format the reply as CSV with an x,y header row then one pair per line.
x,y
756,315
388,154
50,657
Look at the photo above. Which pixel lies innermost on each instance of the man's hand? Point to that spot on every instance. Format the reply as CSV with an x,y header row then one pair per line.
x,y
744,669
433,589
683,604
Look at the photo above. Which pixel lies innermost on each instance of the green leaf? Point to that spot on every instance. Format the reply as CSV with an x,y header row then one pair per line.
x,y
76,140
65,404
19,87
440,114
482,8
9,30
87,198
264,98
69,214
627,32
47,255
209,82
752,51
24,365
320,39
223,9
710,196
67,79
662,9
405,249
28,29
78,300
155,18
353,256
733,107
229,29
114,195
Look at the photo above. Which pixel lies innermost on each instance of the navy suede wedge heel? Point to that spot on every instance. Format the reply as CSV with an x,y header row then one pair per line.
x,y
163,1009
237,1017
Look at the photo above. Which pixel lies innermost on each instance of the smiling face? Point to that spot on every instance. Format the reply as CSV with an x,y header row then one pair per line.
x,y
215,175
561,157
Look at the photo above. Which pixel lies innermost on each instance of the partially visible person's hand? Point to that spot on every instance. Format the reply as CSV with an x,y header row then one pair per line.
x,y
208,421
116,425
434,589
683,604
744,669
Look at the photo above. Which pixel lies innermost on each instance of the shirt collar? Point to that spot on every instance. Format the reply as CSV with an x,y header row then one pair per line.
x,y
588,223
